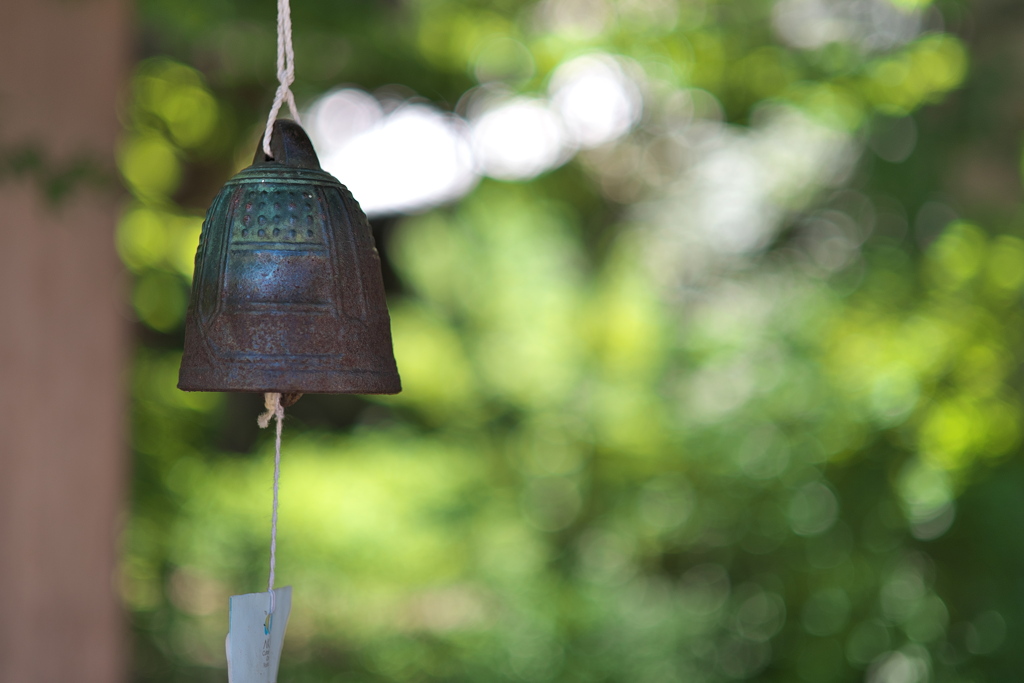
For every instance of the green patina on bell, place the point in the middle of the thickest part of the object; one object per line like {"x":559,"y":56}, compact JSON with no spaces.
{"x":287,"y":294}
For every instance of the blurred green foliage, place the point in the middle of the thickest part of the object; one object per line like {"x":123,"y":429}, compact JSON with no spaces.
{"x":797,"y":466}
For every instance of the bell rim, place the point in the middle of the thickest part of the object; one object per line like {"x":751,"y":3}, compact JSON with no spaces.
{"x":368,"y":383}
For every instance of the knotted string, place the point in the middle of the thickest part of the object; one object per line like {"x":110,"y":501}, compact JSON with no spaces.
{"x":272,"y":401}
{"x":285,"y":72}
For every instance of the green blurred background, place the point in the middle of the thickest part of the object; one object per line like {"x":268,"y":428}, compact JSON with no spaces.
{"x":708,"y":317}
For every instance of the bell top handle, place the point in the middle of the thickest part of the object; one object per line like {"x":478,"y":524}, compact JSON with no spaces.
{"x":290,"y":146}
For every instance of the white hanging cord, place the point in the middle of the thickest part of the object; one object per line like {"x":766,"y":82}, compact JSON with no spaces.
{"x":285,"y":71}
{"x":275,"y":410}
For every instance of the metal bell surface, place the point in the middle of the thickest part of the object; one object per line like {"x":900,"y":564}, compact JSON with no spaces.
{"x":287,"y":294}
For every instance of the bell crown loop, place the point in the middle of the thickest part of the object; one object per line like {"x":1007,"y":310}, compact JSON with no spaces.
{"x":290,"y":147}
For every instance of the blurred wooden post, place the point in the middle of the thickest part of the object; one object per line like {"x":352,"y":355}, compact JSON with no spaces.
{"x":62,"y":345}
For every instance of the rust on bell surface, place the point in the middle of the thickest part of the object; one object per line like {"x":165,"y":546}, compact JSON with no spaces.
{"x":287,"y":294}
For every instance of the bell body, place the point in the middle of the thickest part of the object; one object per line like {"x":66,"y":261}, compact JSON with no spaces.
{"x":287,"y":294}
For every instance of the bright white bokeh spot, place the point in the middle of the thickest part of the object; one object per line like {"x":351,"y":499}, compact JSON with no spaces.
{"x":410,"y":157}
{"x":518,"y":139}
{"x":341,"y":115}
{"x":807,"y":24}
{"x":872,"y":24}
{"x":737,"y":188}
{"x":574,"y":18}
{"x":741,"y":182}
{"x":414,"y":158}
{"x":597,"y":100}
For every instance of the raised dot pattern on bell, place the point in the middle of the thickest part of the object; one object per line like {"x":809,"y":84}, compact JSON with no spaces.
{"x":290,"y":217}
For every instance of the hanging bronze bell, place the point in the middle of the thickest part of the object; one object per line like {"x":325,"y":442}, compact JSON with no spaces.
{"x":287,"y":294}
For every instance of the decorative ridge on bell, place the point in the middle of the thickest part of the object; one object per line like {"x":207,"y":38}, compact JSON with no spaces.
{"x":287,"y":294}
